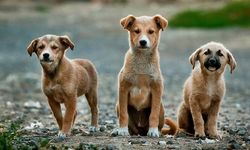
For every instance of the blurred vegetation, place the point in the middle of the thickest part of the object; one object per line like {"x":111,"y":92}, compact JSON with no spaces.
{"x":236,"y":13}
{"x":12,"y":139}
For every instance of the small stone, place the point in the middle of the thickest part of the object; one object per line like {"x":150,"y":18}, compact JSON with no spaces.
{"x":102,"y":128}
{"x":242,"y":131}
{"x":109,"y":121}
{"x":170,"y":142}
{"x":233,"y":130}
{"x":233,"y":145}
{"x":162,"y":143}
{"x":32,"y":104}
{"x":114,"y":133}
{"x":137,"y":141}
{"x":110,"y":147}
{"x":173,"y":147}
{"x":110,"y":126}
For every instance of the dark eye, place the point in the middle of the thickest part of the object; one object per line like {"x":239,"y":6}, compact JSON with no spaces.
{"x":54,"y":47}
{"x":219,"y":53}
{"x":207,"y":52}
{"x":137,"y":31}
{"x":41,"y":47}
{"x":151,"y":31}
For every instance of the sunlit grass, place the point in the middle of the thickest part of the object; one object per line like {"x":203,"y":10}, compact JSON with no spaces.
{"x":233,"y":14}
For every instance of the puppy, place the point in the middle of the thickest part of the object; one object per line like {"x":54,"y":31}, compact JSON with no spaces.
{"x":140,"y":83}
{"x":204,"y":90}
{"x":63,"y":80}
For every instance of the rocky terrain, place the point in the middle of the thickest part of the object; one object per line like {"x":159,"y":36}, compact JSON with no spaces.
{"x":96,"y":32}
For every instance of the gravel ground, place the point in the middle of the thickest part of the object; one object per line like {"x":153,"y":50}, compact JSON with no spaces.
{"x":98,"y":36}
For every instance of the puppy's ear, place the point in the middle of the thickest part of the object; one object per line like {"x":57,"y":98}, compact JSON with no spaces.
{"x":160,"y":21}
{"x":231,"y":61}
{"x":127,"y":22}
{"x":194,"y":57}
{"x":65,"y":40}
{"x":32,"y":46}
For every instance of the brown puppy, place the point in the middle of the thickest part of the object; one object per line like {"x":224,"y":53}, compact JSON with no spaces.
{"x":140,"y":85}
{"x":204,"y":90}
{"x":64,"y":80}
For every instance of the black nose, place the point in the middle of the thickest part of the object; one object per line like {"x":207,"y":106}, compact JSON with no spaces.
{"x":212,"y":61}
{"x":46,"y":55}
{"x":143,"y":42}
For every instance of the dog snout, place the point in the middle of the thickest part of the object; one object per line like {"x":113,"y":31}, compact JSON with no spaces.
{"x":212,"y":61}
{"x":143,"y":43}
{"x":46,"y":56}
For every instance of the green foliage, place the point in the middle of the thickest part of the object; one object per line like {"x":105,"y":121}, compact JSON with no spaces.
{"x":233,"y":14}
{"x":8,"y":135}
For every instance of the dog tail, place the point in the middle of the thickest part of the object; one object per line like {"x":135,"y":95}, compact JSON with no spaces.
{"x":173,"y":127}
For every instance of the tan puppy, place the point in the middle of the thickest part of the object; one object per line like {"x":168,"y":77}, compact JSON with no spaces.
{"x":204,"y":90}
{"x":140,"y":85}
{"x":64,"y":80}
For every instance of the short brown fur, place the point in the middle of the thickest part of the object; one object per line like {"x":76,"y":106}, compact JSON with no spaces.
{"x":140,"y":87}
{"x":204,"y":91}
{"x":63,"y":80}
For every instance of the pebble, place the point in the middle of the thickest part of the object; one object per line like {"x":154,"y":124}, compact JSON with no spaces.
{"x":170,"y":142}
{"x":102,"y":128}
{"x":32,"y":104}
{"x":110,"y":126}
{"x":233,"y":144}
{"x":162,"y":143}
{"x":109,"y":121}
{"x":233,"y":130}
{"x":242,"y":131}
{"x":110,"y":147}
{"x":174,"y":147}
{"x":136,"y":141}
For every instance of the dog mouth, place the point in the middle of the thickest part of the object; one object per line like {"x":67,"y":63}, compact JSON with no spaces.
{"x":212,"y":68}
{"x":46,"y":61}
{"x":143,"y":48}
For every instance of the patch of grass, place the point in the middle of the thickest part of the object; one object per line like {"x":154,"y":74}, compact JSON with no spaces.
{"x":236,"y":13}
{"x":8,"y":135}
{"x":41,"y":8}
{"x":11,"y":138}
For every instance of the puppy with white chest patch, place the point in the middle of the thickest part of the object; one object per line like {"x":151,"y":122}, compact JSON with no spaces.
{"x":140,"y":82}
{"x":64,"y":80}
{"x":204,"y":90}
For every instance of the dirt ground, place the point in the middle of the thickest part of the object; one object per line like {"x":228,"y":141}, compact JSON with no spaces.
{"x":97,"y":35}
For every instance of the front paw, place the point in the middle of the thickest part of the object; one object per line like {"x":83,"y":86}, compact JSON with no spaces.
{"x":153,"y":132}
{"x":200,"y":135}
{"x":123,"y":131}
{"x":214,"y":135}
{"x":61,"y":136}
{"x":92,"y":129}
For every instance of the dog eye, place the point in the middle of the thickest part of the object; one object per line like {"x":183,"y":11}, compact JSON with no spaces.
{"x":151,"y":31}
{"x":54,"y":47}
{"x":219,"y":53}
{"x":207,"y":52}
{"x":137,"y":31}
{"x":41,"y":47}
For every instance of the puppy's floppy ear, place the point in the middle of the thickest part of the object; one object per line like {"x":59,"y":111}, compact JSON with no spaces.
{"x":160,"y":21}
{"x":194,"y":57}
{"x":231,"y":61}
{"x":127,"y":22}
{"x":32,"y":46}
{"x":65,"y":40}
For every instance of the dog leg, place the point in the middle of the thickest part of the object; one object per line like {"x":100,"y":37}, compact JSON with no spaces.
{"x":155,"y":109}
{"x":185,"y":121}
{"x":212,"y":120}
{"x":70,"y":106}
{"x":197,"y":118}
{"x":123,"y":110}
{"x":56,"y":109}
{"x":92,"y":100}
